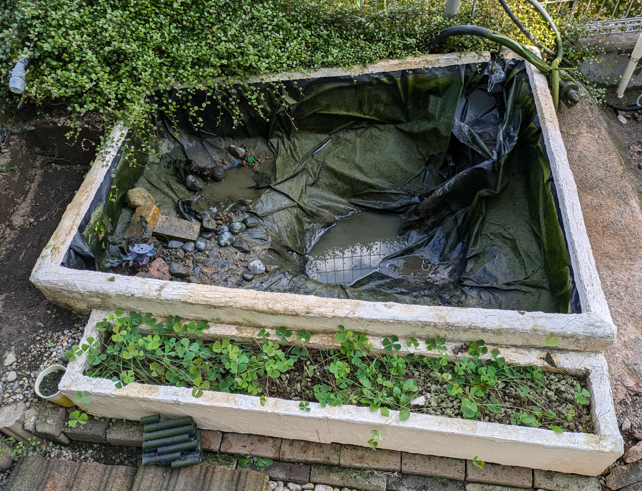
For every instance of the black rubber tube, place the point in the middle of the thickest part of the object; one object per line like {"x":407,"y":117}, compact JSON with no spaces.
{"x":622,"y":108}
{"x":527,"y":33}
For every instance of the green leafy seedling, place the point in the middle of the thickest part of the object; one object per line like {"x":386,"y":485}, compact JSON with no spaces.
{"x":82,"y":397}
{"x":77,"y":418}
{"x":478,"y":463}
{"x":551,"y":340}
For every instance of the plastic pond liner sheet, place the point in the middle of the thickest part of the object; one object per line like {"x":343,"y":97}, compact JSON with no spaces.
{"x":437,"y":177}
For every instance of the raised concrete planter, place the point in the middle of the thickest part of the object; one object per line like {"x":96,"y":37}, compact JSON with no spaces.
{"x":579,"y":453}
{"x":590,"y":330}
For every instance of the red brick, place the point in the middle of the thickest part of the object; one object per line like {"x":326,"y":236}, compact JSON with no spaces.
{"x":367,"y":458}
{"x":159,"y":269}
{"x":211,"y":440}
{"x":311,"y":452}
{"x":125,"y":434}
{"x":505,"y":475}
{"x":257,"y":445}
{"x":428,"y":465}
{"x":284,"y":471}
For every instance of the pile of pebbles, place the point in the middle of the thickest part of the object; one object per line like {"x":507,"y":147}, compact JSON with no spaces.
{"x":219,"y":231}
{"x":19,"y":371}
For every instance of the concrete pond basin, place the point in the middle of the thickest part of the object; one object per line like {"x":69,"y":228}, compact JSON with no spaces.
{"x":240,"y":313}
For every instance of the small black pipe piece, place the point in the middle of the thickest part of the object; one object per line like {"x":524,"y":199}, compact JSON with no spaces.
{"x":178,"y":447}
{"x":161,"y":459}
{"x":148,"y":420}
{"x":187,"y":460}
{"x":170,"y":423}
{"x":178,"y":430}
{"x":161,"y":442}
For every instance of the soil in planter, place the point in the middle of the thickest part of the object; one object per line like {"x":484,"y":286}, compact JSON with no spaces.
{"x":49,"y":383}
{"x":483,"y":390}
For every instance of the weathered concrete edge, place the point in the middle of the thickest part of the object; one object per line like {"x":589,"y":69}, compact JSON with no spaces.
{"x":430,"y":435}
{"x":587,"y":279}
{"x":84,"y":290}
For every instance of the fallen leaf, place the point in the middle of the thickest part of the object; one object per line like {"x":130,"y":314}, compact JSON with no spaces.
{"x":636,"y":148}
{"x":622,"y":119}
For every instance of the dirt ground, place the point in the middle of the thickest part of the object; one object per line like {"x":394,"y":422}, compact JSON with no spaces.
{"x":32,"y":201}
{"x":609,"y":185}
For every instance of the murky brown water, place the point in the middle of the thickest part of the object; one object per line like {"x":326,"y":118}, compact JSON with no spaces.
{"x":354,"y":247}
{"x":237,"y":184}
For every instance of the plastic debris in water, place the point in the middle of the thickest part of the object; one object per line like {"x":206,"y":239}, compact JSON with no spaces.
{"x":250,"y":159}
{"x":138,"y":255}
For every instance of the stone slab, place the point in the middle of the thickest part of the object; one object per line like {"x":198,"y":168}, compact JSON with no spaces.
{"x":310,"y":452}
{"x":211,"y":440}
{"x":556,"y":481}
{"x":148,"y":214}
{"x":407,"y":482}
{"x":36,"y":474}
{"x":125,"y":434}
{"x":633,"y":454}
{"x":519,"y":477}
{"x":248,"y":444}
{"x":6,"y":456}
{"x":50,"y":423}
{"x":286,"y":472}
{"x":220,"y":459}
{"x":172,"y":228}
{"x":197,"y":478}
{"x":366,"y":480}
{"x":633,"y":487}
{"x":625,"y":475}
{"x":11,"y":422}
{"x":429,"y":465}
{"x":93,"y":431}
{"x":368,"y":458}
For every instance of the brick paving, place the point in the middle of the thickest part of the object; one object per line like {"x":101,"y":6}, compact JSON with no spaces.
{"x":300,"y":465}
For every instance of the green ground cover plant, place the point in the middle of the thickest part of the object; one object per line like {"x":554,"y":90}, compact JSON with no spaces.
{"x":107,"y":58}
{"x":478,"y":385}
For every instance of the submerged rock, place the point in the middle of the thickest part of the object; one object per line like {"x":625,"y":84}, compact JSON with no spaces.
{"x":247,"y":276}
{"x":207,"y":235}
{"x":178,"y":270}
{"x":209,"y":223}
{"x":193,"y":183}
{"x":188,"y":246}
{"x":218,"y":173}
{"x":256,"y":267}
{"x":242,"y":245}
{"x":250,"y":222}
{"x":222,"y":229}
{"x":237,"y":227}
{"x":139,"y":197}
{"x":226,"y":239}
{"x":201,"y":244}
{"x":174,"y":244}
{"x":237,"y":151}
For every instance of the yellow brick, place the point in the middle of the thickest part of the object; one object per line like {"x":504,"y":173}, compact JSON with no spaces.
{"x":150,"y":214}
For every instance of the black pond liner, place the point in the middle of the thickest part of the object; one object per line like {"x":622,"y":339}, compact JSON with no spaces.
{"x":458,"y":154}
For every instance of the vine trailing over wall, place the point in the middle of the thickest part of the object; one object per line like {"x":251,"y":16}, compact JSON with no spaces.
{"x":479,"y":385}
{"x":108,"y":57}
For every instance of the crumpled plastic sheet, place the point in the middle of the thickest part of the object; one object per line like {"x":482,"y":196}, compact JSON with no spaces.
{"x":455,"y":150}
